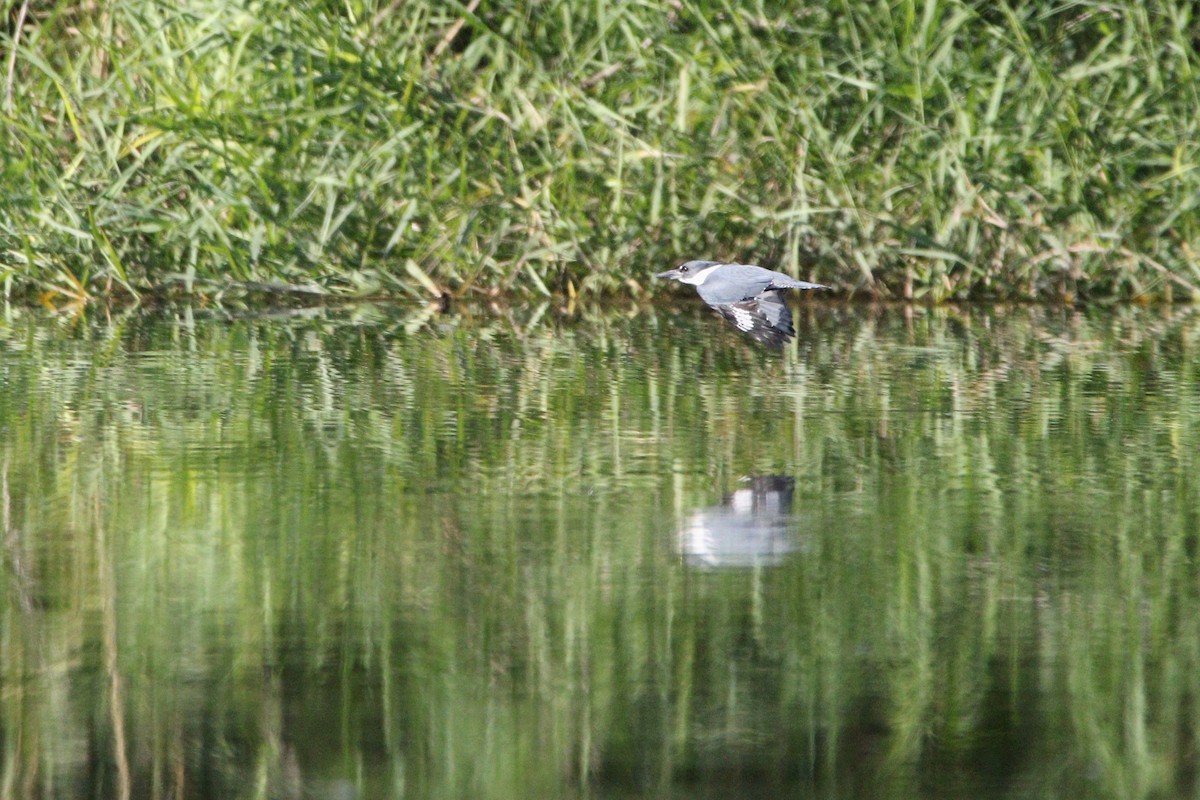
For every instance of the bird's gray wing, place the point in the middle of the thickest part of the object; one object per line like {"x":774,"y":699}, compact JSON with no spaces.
{"x":766,"y":318}
{"x":733,"y":283}
{"x":736,"y":282}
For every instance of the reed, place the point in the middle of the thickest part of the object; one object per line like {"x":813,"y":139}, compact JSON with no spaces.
{"x":929,"y":150}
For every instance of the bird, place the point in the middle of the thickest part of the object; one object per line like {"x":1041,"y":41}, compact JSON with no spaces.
{"x":751,"y":298}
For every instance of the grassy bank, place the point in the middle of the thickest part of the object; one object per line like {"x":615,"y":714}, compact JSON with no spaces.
{"x":940,"y":150}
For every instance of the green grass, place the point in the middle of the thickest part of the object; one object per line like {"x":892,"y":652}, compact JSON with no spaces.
{"x":937,"y":150}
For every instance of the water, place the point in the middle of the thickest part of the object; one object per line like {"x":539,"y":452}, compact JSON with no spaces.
{"x":360,"y":553}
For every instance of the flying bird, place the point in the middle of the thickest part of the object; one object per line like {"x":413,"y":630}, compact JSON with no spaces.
{"x":751,"y":298}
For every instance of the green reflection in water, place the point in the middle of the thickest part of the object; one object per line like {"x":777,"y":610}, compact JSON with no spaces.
{"x":325,"y":557}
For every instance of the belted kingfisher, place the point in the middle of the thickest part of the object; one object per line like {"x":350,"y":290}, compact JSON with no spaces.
{"x":750,"y":297}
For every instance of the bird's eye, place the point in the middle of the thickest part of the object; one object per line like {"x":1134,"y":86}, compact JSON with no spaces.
{"x":683,"y":268}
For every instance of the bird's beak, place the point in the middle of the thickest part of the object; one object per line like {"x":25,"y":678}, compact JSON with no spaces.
{"x":668,"y":275}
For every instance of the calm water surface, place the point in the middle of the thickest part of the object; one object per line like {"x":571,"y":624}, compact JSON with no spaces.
{"x":361,"y":553}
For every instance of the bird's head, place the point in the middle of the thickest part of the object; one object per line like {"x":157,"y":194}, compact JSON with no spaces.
{"x":687,"y":273}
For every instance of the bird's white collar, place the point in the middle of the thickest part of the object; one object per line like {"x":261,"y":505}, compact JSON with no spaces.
{"x":700,"y":277}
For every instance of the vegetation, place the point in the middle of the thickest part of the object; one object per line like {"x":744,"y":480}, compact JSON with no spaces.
{"x":241,"y":556}
{"x":937,"y":149}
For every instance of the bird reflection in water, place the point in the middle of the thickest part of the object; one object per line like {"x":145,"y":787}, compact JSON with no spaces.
{"x":751,"y":527}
